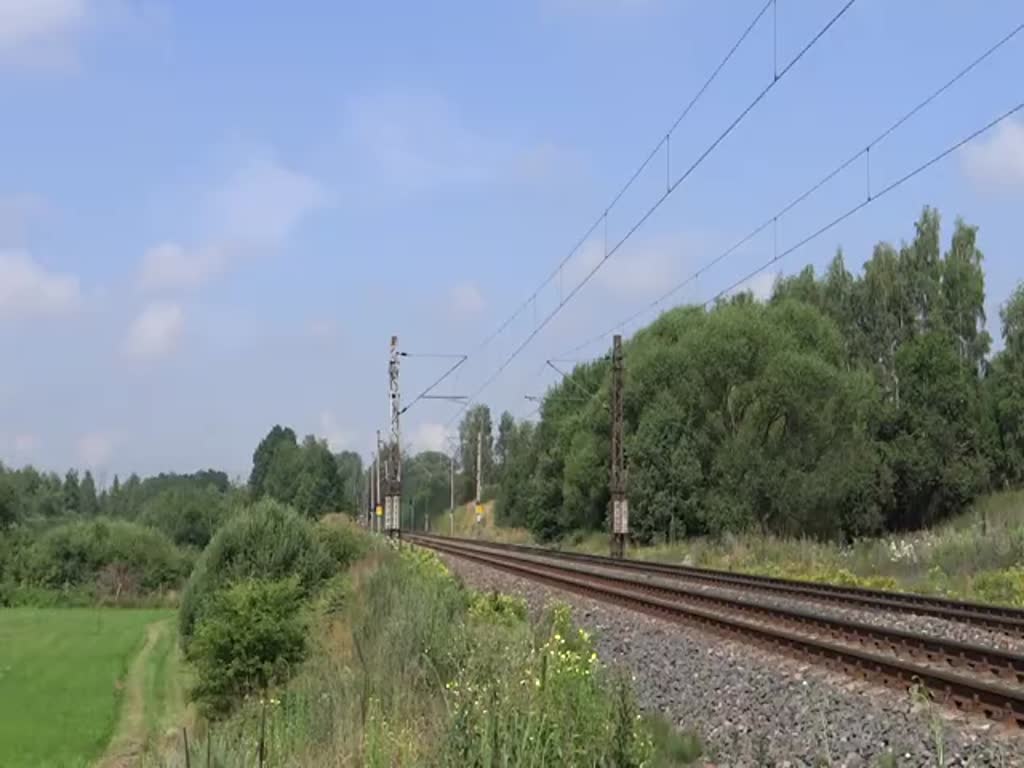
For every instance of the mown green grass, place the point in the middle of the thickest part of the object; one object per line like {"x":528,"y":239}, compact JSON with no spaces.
{"x":60,"y":675}
{"x":162,"y":691}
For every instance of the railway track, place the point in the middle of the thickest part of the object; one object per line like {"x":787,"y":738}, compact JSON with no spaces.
{"x":996,"y":617}
{"x":968,"y":677}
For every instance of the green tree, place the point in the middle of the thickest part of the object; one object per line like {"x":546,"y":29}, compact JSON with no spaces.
{"x":72,"y":493}
{"x":1005,"y":391}
{"x":88,"y":505}
{"x":514,"y":492}
{"x":9,"y":512}
{"x":506,"y":426}
{"x":476,"y":421}
{"x":263,"y":457}
{"x":252,"y":635}
{"x":284,"y":472}
{"x":353,"y":482}
{"x":425,"y":484}
{"x":113,"y":501}
{"x":188,"y":514}
{"x":319,"y":489}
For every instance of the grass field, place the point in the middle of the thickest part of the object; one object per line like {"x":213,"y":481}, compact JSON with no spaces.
{"x":62,"y":676}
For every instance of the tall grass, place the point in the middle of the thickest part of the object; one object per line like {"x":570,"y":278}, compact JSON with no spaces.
{"x":978,"y":555}
{"x":412,"y":669}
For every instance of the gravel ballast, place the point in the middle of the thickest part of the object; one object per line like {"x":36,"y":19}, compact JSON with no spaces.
{"x":752,"y":707}
{"x":930,"y":625}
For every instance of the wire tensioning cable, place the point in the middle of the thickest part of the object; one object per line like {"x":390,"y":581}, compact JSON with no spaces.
{"x":657,"y":204}
{"x":773,"y":220}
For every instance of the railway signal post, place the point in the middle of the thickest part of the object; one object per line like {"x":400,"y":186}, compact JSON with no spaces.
{"x":378,"y":503}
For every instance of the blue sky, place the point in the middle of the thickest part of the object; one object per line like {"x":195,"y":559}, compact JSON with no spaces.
{"x":214,"y":215}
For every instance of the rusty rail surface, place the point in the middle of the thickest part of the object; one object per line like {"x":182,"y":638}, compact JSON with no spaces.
{"x":877,"y":658}
{"x":998,"y":617}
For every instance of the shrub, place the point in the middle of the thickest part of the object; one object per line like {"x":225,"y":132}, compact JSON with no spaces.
{"x":342,"y":542}
{"x":267,"y":541}
{"x":1001,"y":586}
{"x":251,"y":636}
{"x":497,"y":607}
{"x":188,"y":515}
{"x":76,"y":554}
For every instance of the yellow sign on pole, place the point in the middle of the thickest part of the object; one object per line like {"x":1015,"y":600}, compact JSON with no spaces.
{"x":380,"y":511}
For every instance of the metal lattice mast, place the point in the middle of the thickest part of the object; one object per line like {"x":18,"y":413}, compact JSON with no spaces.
{"x":619,"y":503}
{"x":394,"y":498}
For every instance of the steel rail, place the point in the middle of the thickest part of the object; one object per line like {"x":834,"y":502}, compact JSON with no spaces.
{"x":1003,"y":618}
{"x":995,"y":700}
{"x":972,"y":657}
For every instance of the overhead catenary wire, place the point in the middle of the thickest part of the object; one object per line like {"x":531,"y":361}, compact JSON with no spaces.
{"x":602,"y":219}
{"x":772,"y":220}
{"x":867,"y":201}
{"x":656,"y":205}
{"x":425,"y":394}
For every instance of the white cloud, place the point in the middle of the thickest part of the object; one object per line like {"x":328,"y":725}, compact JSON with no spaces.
{"x":27,"y":289}
{"x":760,"y":285}
{"x":338,"y":439}
{"x":262,"y":202}
{"x":466,"y":298}
{"x":256,"y":208}
{"x":155,"y":331}
{"x":998,"y":161}
{"x":416,"y":140}
{"x":429,"y":436}
{"x":40,"y":31}
{"x":170,"y":265}
{"x":640,"y":271}
{"x":94,"y":450}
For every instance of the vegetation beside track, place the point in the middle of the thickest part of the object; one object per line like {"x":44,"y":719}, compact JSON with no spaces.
{"x":408,"y":667}
{"x":977,"y":555}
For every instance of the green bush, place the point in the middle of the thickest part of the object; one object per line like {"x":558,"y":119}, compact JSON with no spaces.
{"x":251,"y":636}
{"x":497,"y":607}
{"x":113,"y":555}
{"x":267,"y":541}
{"x":188,"y":515}
{"x":342,"y":543}
{"x":1005,"y":587}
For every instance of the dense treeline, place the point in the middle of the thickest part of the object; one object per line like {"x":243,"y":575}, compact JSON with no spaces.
{"x":306,"y":476}
{"x":63,"y":540}
{"x":845,"y":405}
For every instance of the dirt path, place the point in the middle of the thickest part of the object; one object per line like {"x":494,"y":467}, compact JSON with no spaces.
{"x":129,"y":740}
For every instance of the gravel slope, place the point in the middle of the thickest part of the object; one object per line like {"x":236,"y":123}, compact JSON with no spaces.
{"x":755,"y":709}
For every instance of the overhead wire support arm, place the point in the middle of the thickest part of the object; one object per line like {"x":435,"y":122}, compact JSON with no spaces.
{"x":425,"y":394}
